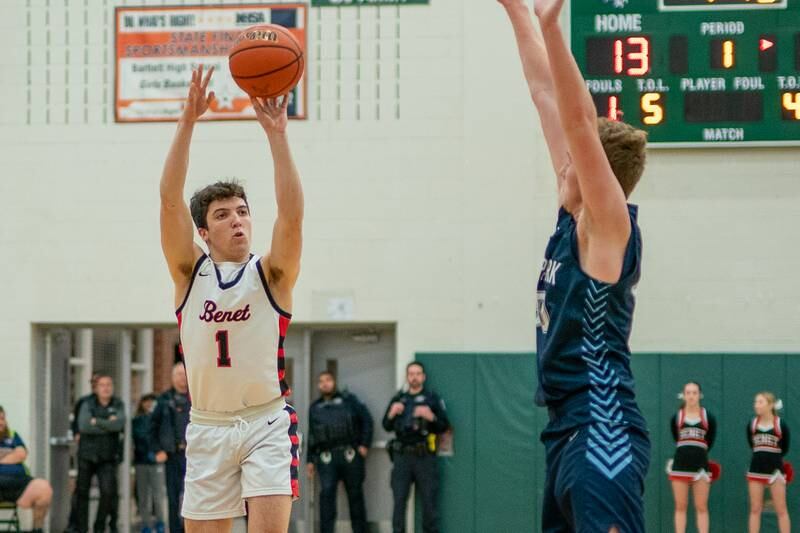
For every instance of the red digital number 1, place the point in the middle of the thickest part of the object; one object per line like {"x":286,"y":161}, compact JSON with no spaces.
{"x":223,"y":356}
{"x":613,"y":108}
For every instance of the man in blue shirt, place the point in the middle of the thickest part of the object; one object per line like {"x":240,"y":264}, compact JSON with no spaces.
{"x":16,"y":485}
{"x":168,"y":440}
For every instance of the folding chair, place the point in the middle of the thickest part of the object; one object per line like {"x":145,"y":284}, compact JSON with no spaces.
{"x":12,"y":522}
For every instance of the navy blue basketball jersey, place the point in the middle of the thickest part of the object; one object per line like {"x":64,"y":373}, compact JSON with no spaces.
{"x":583,"y":327}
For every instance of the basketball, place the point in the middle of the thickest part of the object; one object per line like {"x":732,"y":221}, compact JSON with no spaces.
{"x":266,"y":61}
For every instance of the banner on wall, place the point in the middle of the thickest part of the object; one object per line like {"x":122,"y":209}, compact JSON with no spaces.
{"x":157,"y":48}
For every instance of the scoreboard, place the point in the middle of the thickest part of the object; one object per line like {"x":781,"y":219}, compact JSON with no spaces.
{"x":694,"y":73}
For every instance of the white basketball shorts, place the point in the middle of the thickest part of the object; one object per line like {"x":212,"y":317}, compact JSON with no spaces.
{"x":230,"y":459}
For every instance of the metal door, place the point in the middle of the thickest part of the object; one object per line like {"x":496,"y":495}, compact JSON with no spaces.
{"x":363,"y":361}
{"x":57,"y":402}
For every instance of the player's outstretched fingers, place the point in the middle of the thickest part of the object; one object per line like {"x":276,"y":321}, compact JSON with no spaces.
{"x":207,"y":79}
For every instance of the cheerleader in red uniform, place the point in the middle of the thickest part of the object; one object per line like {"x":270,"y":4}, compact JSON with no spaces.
{"x":693,"y":429}
{"x":768,"y":436}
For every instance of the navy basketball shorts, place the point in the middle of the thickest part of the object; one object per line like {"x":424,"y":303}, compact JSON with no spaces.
{"x":595,"y":481}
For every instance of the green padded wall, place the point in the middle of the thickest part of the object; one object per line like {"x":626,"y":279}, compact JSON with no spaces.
{"x":494,"y":481}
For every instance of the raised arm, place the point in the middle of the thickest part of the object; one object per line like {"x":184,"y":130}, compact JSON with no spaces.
{"x":536,"y":68}
{"x":601,"y":194}
{"x":177,"y":231}
{"x":282,"y":263}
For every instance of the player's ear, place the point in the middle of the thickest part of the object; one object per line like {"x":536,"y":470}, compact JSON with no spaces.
{"x":203,"y":234}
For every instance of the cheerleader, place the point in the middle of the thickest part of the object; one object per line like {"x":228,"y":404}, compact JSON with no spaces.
{"x":768,"y":436}
{"x":693,"y":429}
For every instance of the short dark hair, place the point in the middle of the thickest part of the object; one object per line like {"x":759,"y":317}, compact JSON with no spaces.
{"x":149,"y":397}
{"x":415,"y":363}
{"x":216,"y":191}
{"x":326,"y":373}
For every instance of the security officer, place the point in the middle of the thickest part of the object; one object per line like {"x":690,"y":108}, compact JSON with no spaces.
{"x":339,"y":439}
{"x":416,"y":415}
{"x":101,"y":421}
{"x":168,"y":438}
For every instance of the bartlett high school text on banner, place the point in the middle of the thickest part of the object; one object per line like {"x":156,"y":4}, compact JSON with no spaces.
{"x":158,"y":47}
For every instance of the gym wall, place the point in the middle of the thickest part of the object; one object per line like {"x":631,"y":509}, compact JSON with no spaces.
{"x":429,"y":195}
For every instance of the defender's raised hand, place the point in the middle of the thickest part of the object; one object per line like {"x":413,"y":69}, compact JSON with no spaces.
{"x":512,"y":3}
{"x":198,"y":101}
{"x":547,"y":10}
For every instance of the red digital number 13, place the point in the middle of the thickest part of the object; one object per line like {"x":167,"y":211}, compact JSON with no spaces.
{"x":641,"y":54}
{"x":223,"y":355}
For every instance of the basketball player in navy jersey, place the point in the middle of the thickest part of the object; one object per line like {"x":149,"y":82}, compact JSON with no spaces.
{"x":233,"y":311}
{"x":596,"y":442}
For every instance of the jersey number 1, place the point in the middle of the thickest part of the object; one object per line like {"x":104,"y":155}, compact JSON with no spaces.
{"x":223,"y":356}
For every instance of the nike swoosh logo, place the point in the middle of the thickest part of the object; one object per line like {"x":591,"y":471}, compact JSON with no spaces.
{"x":204,"y":274}
{"x":270,"y":422}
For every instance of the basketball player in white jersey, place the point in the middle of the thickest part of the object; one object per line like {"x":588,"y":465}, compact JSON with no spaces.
{"x":233,"y":310}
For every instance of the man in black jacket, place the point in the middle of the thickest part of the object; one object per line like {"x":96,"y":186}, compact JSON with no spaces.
{"x":72,"y":526}
{"x":101,"y":421}
{"x":168,"y":437}
{"x":416,"y":415}
{"x":338,"y":443}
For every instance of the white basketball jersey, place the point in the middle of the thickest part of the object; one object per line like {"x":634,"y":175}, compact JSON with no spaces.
{"x":232,"y":334}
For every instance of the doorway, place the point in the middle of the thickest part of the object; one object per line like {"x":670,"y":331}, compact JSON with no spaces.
{"x":140,"y":360}
{"x":67,"y":357}
{"x":363,"y":360}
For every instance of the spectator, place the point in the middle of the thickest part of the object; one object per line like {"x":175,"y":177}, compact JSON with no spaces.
{"x":16,"y":484}
{"x":76,"y":432}
{"x":149,"y":474}
{"x":168,"y":437}
{"x":72,"y":526}
{"x":416,"y":415}
{"x":101,"y":421}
